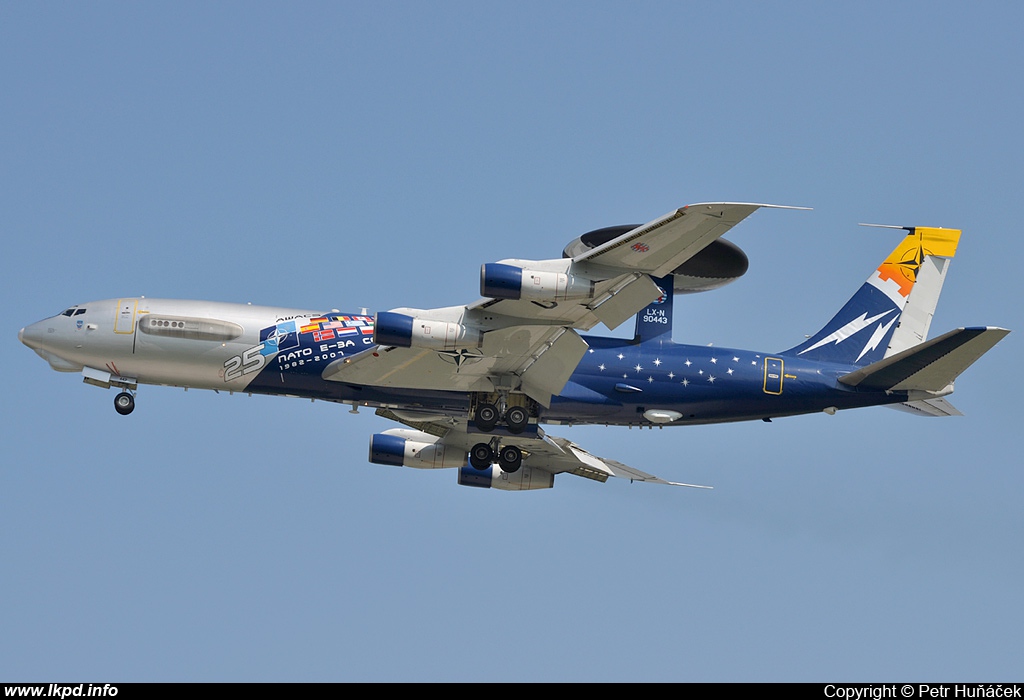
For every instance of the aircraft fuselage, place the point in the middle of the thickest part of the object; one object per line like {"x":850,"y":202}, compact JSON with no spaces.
{"x":278,"y":351}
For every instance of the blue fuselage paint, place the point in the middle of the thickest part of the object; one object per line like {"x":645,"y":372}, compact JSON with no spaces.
{"x":618,"y":380}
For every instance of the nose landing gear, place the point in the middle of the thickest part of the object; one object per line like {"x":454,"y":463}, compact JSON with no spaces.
{"x":124,"y":403}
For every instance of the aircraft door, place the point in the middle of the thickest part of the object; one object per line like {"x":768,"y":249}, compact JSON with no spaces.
{"x":773,"y":375}
{"x":124,"y":322}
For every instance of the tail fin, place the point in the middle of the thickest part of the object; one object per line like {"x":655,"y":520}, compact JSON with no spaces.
{"x":897,"y":302}
{"x":655,"y":320}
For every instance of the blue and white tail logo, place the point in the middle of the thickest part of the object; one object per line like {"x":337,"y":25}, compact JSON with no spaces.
{"x":860,"y":333}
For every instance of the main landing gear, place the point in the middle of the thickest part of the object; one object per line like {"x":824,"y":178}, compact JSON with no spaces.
{"x":124,"y":403}
{"x":483,"y":455}
{"x":488,"y":411}
{"x":487,"y":416}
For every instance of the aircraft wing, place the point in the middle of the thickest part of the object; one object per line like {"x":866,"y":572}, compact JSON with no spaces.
{"x":659,"y":247}
{"x":537,"y":360}
{"x":628,"y":262}
{"x":522,"y":343}
{"x":540,"y":451}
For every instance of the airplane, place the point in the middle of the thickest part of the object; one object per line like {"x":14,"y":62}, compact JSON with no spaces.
{"x":472,"y":384}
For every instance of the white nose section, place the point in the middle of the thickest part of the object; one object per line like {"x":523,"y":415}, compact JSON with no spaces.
{"x":32,"y":335}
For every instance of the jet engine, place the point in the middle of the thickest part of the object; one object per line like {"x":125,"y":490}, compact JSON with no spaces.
{"x":525,"y":479}
{"x":400,"y":447}
{"x":720,"y":263}
{"x":502,"y":281}
{"x":404,"y":331}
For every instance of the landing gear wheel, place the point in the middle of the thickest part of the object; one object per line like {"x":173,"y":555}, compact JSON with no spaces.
{"x":510,"y":458}
{"x":124,"y":403}
{"x":481,"y":456}
{"x":486,"y":417}
{"x":516,"y":419}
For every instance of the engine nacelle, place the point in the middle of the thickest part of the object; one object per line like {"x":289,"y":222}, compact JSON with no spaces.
{"x":404,"y":331}
{"x":501,"y":281}
{"x":411,"y":448}
{"x":525,"y":479}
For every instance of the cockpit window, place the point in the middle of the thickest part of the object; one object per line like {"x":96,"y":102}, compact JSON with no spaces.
{"x":69,"y":312}
{"x":79,"y":312}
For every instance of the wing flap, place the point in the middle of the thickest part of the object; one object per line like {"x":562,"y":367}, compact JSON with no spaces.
{"x":623,"y":302}
{"x":591,"y":465}
{"x":549,"y":370}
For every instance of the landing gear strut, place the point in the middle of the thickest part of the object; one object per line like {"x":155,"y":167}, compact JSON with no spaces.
{"x":124,"y":403}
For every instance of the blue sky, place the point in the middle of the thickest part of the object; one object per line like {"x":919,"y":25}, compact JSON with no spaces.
{"x":322,"y":155}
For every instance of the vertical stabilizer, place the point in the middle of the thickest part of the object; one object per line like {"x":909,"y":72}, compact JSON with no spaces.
{"x":867,"y":326}
{"x":913,"y":325}
{"x":654,"y":322}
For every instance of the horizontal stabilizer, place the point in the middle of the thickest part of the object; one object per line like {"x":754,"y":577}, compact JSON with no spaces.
{"x":931,"y":366}
{"x":933,"y":408}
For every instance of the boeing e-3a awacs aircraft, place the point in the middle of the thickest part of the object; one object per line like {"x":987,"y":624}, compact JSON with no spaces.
{"x":473,"y":383}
